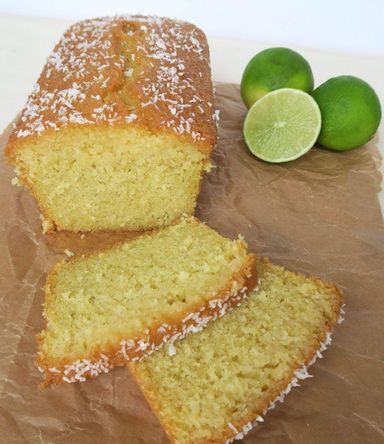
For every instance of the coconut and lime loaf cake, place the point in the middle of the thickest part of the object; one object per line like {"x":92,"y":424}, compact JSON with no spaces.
{"x":223,"y":379}
{"x":116,"y":305}
{"x":119,"y":127}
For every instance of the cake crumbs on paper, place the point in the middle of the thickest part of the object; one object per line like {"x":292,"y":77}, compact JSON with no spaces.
{"x":46,"y":224}
{"x":16,"y":182}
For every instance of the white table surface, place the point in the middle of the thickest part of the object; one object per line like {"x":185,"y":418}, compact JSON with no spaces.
{"x":25,"y":43}
{"x":352,"y":26}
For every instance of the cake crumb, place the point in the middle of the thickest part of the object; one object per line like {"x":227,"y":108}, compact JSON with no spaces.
{"x":46,"y":225}
{"x":69,"y":253}
{"x":16,"y":182}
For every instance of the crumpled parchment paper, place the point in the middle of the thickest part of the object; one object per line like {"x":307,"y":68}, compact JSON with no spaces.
{"x":319,"y":215}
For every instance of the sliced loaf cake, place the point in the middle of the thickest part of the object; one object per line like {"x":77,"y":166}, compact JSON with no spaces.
{"x":223,"y":379}
{"x":112,"y":306}
{"x":119,"y":129}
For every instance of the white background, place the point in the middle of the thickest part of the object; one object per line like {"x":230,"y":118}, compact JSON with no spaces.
{"x":350,"y":26}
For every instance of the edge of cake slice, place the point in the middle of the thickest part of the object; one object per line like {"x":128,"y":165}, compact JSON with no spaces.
{"x":109,"y":307}
{"x":221,"y":381}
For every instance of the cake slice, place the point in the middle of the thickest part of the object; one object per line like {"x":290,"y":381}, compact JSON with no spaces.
{"x":120,"y":126}
{"x":221,"y":380}
{"x":113,"y":306}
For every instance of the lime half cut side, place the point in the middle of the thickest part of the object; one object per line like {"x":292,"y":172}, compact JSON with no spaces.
{"x":282,"y":126}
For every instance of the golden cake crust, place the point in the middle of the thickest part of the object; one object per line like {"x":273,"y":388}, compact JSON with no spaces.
{"x":169,"y":330}
{"x":149,"y":72}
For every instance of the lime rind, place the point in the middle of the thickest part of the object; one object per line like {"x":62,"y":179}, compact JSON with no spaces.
{"x":282,"y":126}
{"x":272,"y":69}
{"x":351,"y":112}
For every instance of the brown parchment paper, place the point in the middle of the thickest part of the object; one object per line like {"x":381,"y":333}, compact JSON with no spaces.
{"x":319,"y":214}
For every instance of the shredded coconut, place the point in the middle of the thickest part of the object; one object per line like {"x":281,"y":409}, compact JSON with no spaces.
{"x":69,"y":253}
{"x":85,"y":61}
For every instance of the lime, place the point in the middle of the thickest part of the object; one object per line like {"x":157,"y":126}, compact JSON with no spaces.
{"x":282,"y":126}
{"x":272,"y":69}
{"x":350,"y":111}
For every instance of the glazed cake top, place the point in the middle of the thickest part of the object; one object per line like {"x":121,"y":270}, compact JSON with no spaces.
{"x":147,"y":71}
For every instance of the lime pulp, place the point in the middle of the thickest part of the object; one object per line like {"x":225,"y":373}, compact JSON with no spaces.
{"x":282,"y":126}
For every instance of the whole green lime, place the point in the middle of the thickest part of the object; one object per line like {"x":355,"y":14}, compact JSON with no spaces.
{"x":272,"y":69}
{"x":350,"y":112}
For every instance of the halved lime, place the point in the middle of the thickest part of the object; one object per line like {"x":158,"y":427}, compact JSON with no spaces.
{"x":282,"y":126}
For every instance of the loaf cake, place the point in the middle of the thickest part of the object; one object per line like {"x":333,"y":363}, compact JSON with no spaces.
{"x":218,"y":383}
{"x":116,"y":305}
{"x":119,"y":127}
